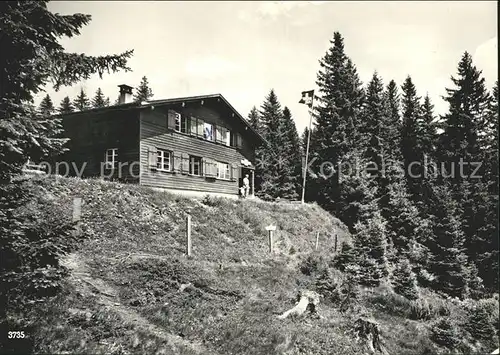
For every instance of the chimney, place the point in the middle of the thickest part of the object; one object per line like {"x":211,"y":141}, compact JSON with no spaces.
{"x":125,"y":94}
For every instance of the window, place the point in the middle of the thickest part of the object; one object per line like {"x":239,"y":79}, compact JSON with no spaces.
{"x":197,"y":127}
{"x":195,"y":165}
{"x":223,"y":171}
{"x":177,"y":121}
{"x":223,"y":135}
{"x":110,"y":158}
{"x":163,"y":160}
{"x":208,"y":131}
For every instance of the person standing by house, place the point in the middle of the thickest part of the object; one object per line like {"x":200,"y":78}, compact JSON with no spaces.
{"x":246,"y":185}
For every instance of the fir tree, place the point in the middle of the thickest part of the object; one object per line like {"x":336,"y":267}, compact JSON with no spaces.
{"x":339,"y":102}
{"x":468,"y":102}
{"x":66,"y":106}
{"x":98,"y":101}
{"x":294,"y":152}
{"x":464,"y":128}
{"x":82,"y":102}
{"x":428,"y":129}
{"x":404,"y":280}
{"x":410,"y":134}
{"x":373,"y":125}
{"x":274,"y":168}
{"x":357,"y":192}
{"x":33,"y":38}
{"x":46,"y":106}
{"x":406,"y":227}
{"x":107,"y":102}
{"x":392,"y":129}
{"x":445,"y":333}
{"x":254,"y":119}
{"x":345,"y":257}
{"x":448,"y":261}
{"x":144,"y":92}
{"x":478,"y":323}
{"x":370,"y":245}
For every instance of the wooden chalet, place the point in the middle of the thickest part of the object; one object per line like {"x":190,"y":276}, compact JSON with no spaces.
{"x":195,"y":145}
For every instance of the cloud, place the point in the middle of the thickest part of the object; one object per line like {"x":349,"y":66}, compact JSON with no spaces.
{"x":211,"y":67}
{"x":275,"y":9}
{"x":485,"y":58}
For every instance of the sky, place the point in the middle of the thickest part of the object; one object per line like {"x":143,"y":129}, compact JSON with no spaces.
{"x":242,"y":50}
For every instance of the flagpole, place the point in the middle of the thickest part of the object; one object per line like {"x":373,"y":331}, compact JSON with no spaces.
{"x":307,"y":150}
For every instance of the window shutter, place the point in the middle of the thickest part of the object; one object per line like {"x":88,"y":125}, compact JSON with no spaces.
{"x":206,"y":167}
{"x":193,"y":125}
{"x":177,"y":162}
{"x":200,"y":127}
{"x":152,"y":157}
{"x":213,"y":166}
{"x":234,"y":172}
{"x":185,"y":163}
{"x":228,"y":138}
{"x":238,"y":140}
{"x":171,"y":119}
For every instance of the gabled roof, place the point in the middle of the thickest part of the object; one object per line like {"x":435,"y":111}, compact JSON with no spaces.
{"x":178,"y":100}
{"x":204,"y":97}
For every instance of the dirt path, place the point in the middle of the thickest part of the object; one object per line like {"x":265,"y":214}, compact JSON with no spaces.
{"x":107,"y":297}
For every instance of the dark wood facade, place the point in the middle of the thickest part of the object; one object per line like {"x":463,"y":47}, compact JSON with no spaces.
{"x":141,"y":133}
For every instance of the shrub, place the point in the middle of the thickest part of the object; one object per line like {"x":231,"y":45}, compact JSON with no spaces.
{"x":329,"y":283}
{"x":479,"y":323}
{"x":31,"y":245}
{"x":313,"y":264}
{"x":445,"y":333}
{"x":421,"y":310}
{"x":345,"y":257}
{"x":404,"y":281}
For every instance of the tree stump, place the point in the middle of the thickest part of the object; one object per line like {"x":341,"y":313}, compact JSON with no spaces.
{"x":369,"y":330}
{"x":307,"y":300}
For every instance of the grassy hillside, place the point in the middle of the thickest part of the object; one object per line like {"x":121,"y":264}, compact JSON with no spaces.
{"x":132,"y":289}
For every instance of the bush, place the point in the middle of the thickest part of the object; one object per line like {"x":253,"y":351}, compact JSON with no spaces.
{"x":479,"y":322}
{"x":404,"y":281}
{"x":345,"y":257}
{"x":421,"y":310}
{"x":445,"y":333}
{"x":313,"y":264}
{"x":31,"y":245}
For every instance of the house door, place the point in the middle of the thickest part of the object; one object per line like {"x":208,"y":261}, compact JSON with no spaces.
{"x":243,"y":172}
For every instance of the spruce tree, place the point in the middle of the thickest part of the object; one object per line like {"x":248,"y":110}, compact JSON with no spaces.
{"x":30,"y":34}
{"x":356,"y":191}
{"x":294,"y":152}
{"x":66,"y":106}
{"x":392,"y":129}
{"x":448,"y":260}
{"x":478,"y":323}
{"x":404,"y":280}
{"x":274,"y":169}
{"x":339,"y":102}
{"x":107,"y":102}
{"x":468,"y":104}
{"x":143,"y":92}
{"x":428,"y":129}
{"x":410,"y":134}
{"x":46,"y":106}
{"x":403,"y":220}
{"x":374,"y":120}
{"x":465,"y":127}
{"x":98,"y":101}
{"x":371,"y":248}
{"x":345,"y":258}
{"x":254,"y":120}
{"x":82,"y":102}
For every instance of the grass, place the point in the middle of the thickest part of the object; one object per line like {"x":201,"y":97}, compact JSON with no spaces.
{"x":226,"y":297}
